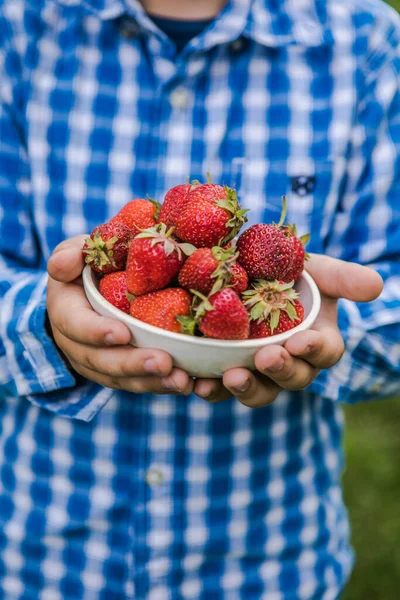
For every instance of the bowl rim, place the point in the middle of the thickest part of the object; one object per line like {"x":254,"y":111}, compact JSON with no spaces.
{"x":88,"y":274}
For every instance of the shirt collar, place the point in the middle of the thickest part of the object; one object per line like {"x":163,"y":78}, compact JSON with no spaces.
{"x":282,"y":22}
{"x":272,"y":23}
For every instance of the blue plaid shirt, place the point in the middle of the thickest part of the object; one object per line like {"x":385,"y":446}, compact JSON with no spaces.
{"x":108,"y":495}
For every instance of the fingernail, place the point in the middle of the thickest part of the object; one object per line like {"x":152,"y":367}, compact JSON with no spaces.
{"x":242,"y":388}
{"x":204,"y":394}
{"x":169,"y":384}
{"x":278,"y":366}
{"x":306,"y":349}
{"x":109,"y":339}
{"x":150,"y":366}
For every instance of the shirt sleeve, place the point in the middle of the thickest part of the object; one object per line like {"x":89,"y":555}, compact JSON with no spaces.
{"x":30,"y":365}
{"x":366,"y":230}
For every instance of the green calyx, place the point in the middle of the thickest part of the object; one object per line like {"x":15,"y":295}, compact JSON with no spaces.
{"x":268,"y":298}
{"x":157,"y":205}
{"x":304,"y":240}
{"x":188,"y":324}
{"x":98,"y":251}
{"x":238,"y":219}
{"x":160,"y":235}
{"x":200,"y":306}
{"x":226,"y":257}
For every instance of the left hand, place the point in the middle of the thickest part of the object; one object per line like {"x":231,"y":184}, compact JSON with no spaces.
{"x":295,"y":365}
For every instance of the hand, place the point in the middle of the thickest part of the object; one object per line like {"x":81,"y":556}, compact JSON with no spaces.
{"x":295,"y":365}
{"x":96,"y":347}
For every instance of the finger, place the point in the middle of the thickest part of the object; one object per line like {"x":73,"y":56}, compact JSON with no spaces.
{"x":251,"y":389}
{"x":211,"y":390}
{"x":340,"y":279}
{"x":121,"y":361}
{"x":286,"y":371}
{"x":140,"y":385}
{"x":71,"y":314}
{"x":322,"y":348}
{"x":67,"y":261}
{"x":178,"y":382}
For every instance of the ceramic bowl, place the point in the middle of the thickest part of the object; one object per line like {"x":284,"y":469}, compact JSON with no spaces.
{"x":202,"y":357}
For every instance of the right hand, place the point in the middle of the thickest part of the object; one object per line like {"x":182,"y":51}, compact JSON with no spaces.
{"x":97,"y":347}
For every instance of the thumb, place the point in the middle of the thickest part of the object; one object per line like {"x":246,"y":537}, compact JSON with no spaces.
{"x":340,"y":279}
{"x":67,"y":261}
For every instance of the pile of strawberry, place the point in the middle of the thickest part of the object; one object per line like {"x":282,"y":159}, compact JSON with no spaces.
{"x":175,"y":265}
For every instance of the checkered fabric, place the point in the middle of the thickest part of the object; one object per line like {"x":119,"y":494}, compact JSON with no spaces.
{"x":114,"y":496}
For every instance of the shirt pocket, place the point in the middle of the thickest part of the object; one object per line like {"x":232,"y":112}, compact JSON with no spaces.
{"x":312,"y":190}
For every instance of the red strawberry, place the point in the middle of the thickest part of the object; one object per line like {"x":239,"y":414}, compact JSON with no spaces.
{"x":155,"y":258}
{"x":299,"y":256}
{"x":138,"y":214}
{"x":239,"y":279}
{"x":208,"y":270}
{"x":162,"y":308}
{"x":265,"y":252}
{"x":174,"y":201}
{"x":263,"y":329}
{"x":113,"y":288}
{"x":272,"y":251}
{"x":221,"y":316}
{"x":211,"y":215}
{"x":273,"y":306}
{"x":106,"y":250}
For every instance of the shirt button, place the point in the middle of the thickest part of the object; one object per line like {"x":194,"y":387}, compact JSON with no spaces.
{"x":154,"y":477}
{"x":376,"y":388}
{"x":180,"y":98}
{"x":237,"y":45}
{"x":129,"y":29}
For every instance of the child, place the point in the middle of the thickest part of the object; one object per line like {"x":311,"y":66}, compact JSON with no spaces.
{"x":114,"y":484}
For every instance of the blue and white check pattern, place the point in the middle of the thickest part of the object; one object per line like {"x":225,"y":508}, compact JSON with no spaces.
{"x":107,"y":495}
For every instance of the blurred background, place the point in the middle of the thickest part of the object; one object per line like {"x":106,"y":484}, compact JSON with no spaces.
{"x":372,"y":491}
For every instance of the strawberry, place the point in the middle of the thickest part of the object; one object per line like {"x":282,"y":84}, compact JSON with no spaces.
{"x":162,"y":308}
{"x":222,"y":316}
{"x":113,"y":287}
{"x":138,"y":214}
{"x":155,"y":258}
{"x":106,"y":250}
{"x":239,"y":280}
{"x":210,"y":216}
{"x":173,"y":202}
{"x":208,"y":270}
{"x":274,"y":307}
{"x":272,"y":251}
{"x":299,"y":256}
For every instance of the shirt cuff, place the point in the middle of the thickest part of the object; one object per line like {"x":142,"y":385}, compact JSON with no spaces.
{"x":35,"y":367}
{"x":365,"y":371}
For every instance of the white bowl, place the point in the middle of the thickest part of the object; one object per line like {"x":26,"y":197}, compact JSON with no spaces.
{"x":202,"y":357}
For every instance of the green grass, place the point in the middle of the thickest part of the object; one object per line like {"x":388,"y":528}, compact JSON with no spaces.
{"x":395,"y":4}
{"x":372,"y":492}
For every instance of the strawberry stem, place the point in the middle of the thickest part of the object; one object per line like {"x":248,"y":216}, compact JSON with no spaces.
{"x":284,"y":211}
